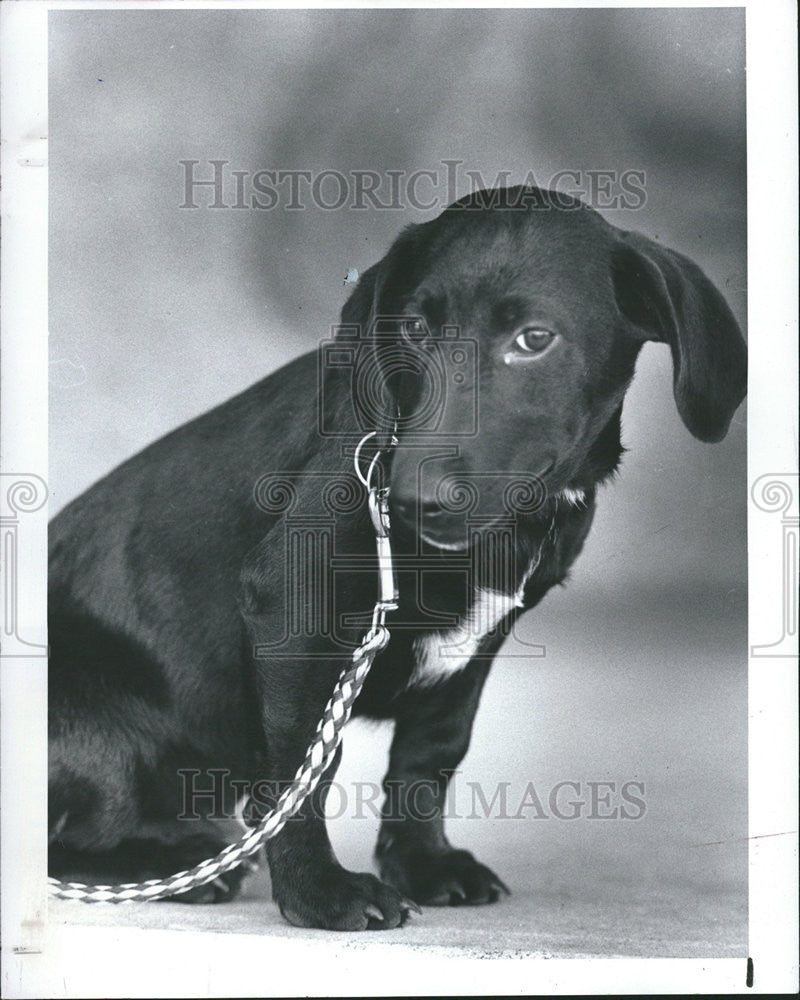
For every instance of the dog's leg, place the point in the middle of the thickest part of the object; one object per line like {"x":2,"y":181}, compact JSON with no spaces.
{"x":309,"y":885}
{"x":294,"y":674}
{"x":432,"y":735}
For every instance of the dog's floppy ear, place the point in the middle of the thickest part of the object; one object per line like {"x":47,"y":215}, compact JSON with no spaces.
{"x":380,"y":289}
{"x":669,"y":299}
{"x":359,"y":310}
{"x":379,"y":295}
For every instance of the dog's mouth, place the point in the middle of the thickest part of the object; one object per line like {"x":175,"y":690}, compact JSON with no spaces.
{"x":450,"y":532}
{"x":438,"y":528}
{"x":454,"y":530}
{"x":444,"y":545}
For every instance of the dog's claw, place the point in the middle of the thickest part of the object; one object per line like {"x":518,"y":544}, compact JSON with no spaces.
{"x":357,"y":901}
{"x":454,"y":878}
{"x":452,"y":893}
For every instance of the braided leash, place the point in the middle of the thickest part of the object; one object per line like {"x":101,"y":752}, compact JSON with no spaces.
{"x":318,"y":757}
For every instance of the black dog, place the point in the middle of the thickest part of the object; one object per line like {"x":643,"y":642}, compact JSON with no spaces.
{"x":205,"y":595}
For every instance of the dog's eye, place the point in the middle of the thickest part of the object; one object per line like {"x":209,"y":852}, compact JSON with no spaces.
{"x":414,"y":330}
{"x":533,"y":340}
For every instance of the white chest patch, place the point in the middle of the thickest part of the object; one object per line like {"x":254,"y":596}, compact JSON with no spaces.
{"x":440,"y":654}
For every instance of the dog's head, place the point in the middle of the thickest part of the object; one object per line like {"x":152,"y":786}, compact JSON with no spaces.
{"x":503,"y":336}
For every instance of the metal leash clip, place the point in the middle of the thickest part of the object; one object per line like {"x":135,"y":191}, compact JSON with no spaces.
{"x":388,"y":594}
{"x":378,"y":503}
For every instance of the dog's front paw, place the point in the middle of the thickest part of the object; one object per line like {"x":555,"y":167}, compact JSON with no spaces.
{"x":339,"y":900}
{"x":449,"y":878}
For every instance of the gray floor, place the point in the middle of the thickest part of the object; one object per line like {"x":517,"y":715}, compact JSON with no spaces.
{"x":667,"y":923}
{"x":650,"y":687}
